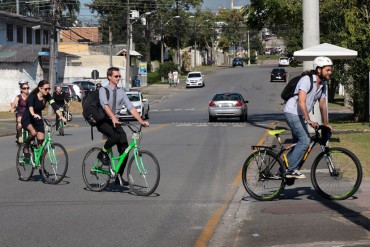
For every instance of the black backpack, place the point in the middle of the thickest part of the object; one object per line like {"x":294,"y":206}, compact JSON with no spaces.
{"x":92,"y":111}
{"x":289,"y":89}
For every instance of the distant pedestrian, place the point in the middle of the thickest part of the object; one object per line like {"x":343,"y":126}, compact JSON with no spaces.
{"x":170,"y":78}
{"x":175,"y":78}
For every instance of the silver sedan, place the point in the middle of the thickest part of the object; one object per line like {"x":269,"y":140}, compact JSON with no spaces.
{"x":229,"y":105}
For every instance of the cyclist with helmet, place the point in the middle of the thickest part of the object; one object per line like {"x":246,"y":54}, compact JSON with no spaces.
{"x":297,"y":110}
{"x":19,"y":106}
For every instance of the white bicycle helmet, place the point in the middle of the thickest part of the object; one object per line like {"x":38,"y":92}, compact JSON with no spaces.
{"x":20,"y":82}
{"x":322,"y":62}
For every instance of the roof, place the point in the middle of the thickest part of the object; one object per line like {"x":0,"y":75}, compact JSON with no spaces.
{"x":15,"y":19}
{"x":132,"y":53}
{"x":325,"y":49}
{"x":20,"y":53}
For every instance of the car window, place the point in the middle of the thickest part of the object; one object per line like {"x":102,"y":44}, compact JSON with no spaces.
{"x":220,"y":97}
{"x":192,"y":75}
{"x":133,"y":97}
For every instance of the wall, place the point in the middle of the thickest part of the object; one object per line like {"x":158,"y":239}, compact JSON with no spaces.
{"x":11,"y":73}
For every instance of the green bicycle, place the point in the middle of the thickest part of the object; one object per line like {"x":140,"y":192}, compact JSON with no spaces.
{"x":143,"y":172}
{"x":51,"y":158}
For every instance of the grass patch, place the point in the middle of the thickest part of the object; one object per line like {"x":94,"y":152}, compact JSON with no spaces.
{"x":357,"y":143}
{"x":74,"y":106}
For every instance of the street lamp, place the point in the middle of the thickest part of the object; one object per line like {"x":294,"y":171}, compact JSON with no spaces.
{"x":129,"y":42}
{"x":162,"y":41}
{"x":195,"y":38}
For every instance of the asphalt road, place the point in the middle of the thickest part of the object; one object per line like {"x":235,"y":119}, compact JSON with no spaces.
{"x":200,"y":174}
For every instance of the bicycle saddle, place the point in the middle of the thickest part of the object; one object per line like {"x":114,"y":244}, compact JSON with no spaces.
{"x":275,"y":132}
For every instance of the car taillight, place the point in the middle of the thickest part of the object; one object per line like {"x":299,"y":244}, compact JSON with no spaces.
{"x":239,"y":103}
{"x":212,"y":104}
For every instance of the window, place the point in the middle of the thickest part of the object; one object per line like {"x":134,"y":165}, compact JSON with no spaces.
{"x":19,"y":34}
{"x":45,"y":37}
{"x":37,"y":37}
{"x":9,"y":33}
{"x":29,"y":35}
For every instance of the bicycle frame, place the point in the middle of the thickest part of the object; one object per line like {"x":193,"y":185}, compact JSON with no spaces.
{"x":116,"y":162}
{"x":39,"y":151}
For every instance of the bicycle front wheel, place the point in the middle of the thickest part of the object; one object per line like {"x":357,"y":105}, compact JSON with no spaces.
{"x":54,"y":163}
{"x":143,"y":173}
{"x":345,"y":178}
{"x":24,"y":166}
{"x":61,"y":128}
{"x":95,"y":175}
{"x":262,"y":175}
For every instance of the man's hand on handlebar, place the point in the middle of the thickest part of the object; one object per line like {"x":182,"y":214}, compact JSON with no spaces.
{"x":145,"y":123}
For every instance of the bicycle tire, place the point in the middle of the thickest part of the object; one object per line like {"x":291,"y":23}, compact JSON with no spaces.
{"x":94,"y":180}
{"x":61,"y":128}
{"x":54,"y":163}
{"x":262,"y":175}
{"x":143,"y":183}
{"x":24,"y":168}
{"x":347,"y":178}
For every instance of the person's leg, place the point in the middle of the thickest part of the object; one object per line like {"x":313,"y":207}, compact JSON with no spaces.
{"x":31,"y":135}
{"x":107,"y":129}
{"x":19,"y":130}
{"x":121,"y":147}
{"x":300,"y":133}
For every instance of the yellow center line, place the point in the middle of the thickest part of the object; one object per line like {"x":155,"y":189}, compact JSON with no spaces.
{"x":209,"y":229}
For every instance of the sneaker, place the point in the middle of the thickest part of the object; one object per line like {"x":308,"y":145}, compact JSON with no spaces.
{"x":120,"y":181}
{"x":104,"y":158}
{"x":294,"y":174}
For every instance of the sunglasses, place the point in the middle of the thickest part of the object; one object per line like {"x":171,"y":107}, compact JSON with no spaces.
{"x":25,"y":88}
{"x":47,"y":89}
{"x":117,"y":76}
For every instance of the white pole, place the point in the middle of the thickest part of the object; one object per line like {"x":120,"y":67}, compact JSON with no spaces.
{"x":311,"y":37}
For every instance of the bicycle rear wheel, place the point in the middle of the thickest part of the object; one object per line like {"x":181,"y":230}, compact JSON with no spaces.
{"x":345,"y":179}
{"x":95,"y":175}
{"x":262,"y":175}
{"x":24,"y":166}
{"x":143,"y":173}
{"x":54,"y":163}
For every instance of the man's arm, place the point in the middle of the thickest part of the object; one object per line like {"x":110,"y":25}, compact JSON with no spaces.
{"x":302,"y":97}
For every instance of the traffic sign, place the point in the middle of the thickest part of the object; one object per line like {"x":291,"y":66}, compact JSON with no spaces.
{"x":95,"y":74}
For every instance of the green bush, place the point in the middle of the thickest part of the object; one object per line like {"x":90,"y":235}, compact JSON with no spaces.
{"x":153,"y":77}
{"x":165,"y":68}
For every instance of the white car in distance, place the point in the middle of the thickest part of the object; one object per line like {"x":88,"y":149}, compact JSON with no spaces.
{"x":139,"y":102}
{"x":195,"y":79}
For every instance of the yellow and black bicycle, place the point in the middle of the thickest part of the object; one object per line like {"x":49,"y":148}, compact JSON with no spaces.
{"x":336,"y":173}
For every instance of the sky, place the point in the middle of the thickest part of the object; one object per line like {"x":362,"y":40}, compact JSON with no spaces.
{"x":212,"y":5}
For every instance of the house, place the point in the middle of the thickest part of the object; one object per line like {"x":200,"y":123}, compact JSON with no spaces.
{"x":24,"y":46}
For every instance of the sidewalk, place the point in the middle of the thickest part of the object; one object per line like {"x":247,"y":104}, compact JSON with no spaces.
{"x":300,"y":217}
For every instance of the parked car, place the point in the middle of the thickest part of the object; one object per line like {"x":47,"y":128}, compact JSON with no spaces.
{"x":278,"y":74}
{"x":284,"y":61}
{"x":87,"y":86}
{"x":139,"y":102}
{"x":76,"y":93}
{"x":228,"y":105}
{"x":238,"y":61}
{"x":195,"y":79}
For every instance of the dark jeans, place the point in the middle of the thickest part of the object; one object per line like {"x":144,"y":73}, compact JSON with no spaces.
{"x":116,"y":136}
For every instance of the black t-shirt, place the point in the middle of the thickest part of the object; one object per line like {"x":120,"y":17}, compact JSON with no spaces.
{"x":38,"y":105}
{"x":60,"y":98}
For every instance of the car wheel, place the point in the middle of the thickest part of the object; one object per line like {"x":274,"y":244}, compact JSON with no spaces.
{"x":147,"y":114}
{"x":242,"y":118}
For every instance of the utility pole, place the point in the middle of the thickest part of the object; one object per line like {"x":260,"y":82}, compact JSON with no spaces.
{"x":128,"y":38}
{"x":110,"y":47}
{"x":178,"y":38}
{"x":249,"y":52}
{"x":52,"y":50}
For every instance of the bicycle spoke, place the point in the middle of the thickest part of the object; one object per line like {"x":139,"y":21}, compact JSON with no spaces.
{"x":337,"y":176}
{"x":143,"y":173}
{"x":54,"y":163}
{"x":261,"y":176}
{"x":94,"y":174}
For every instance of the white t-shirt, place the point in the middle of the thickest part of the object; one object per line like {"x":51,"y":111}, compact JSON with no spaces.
{"x":304,"y":84}
{"x":175,"y":76}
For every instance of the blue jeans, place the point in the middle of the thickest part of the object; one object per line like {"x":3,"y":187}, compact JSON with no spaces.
{"x":300,"y":136}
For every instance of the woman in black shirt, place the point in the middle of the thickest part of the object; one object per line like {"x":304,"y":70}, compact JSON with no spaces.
{"x":32,"y":116}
